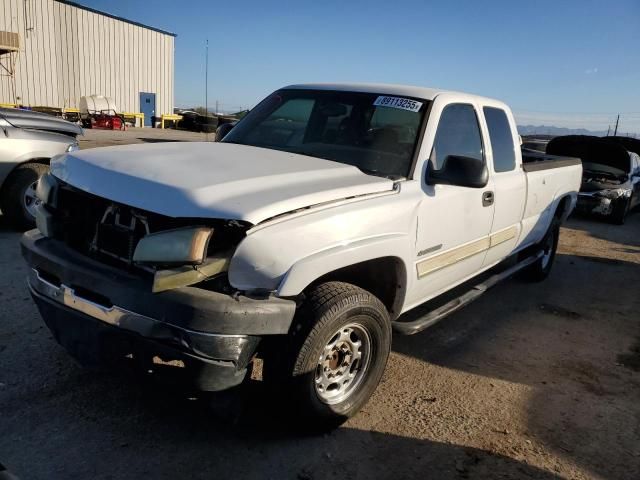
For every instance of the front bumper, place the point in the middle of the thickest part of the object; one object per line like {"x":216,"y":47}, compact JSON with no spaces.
{"x":103,"y":315}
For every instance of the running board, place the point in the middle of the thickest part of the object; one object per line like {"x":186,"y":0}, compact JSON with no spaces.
{"x":433,"y":317}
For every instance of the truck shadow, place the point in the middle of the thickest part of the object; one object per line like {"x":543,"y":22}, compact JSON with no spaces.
{"x":59,"y":420}
{"x":568,"y":344}
{"x":122,"y":431}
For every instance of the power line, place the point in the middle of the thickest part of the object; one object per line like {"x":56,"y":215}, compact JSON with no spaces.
{"x":206,"y":84}
{"x":567,"y":112}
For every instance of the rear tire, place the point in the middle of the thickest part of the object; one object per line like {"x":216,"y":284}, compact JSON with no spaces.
{"x":18,"y":195}
{"x":329,"y":365}
{"x":620,"y":211}
{"x":541,"y":268}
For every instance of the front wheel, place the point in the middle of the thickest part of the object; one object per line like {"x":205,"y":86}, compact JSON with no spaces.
{"x":335,"y":355}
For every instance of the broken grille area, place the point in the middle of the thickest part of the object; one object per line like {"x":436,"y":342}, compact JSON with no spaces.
{"x":109,"y":231}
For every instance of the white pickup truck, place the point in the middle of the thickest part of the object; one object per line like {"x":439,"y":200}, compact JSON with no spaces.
{"x":303,"y":237}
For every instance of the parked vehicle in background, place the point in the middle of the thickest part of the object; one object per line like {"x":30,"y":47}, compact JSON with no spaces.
{"x":323,"y":216}
{"x":196,"y":122}
{"x":223,"y":129}
{"x":536,"y":142}
{"x":611,"y":173}
{"x":28,"y":141}
{"x":100,"y":112}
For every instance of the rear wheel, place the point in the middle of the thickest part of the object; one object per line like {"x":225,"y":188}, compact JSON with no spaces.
{"x":541,"y":268}
{"x":334,"y":358}
{"x":620,"y":211}
{"x":19,"y":199}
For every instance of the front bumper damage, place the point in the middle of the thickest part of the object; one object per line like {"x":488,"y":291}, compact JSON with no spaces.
{"x":189,"y":336}
{"x":603,"y":202}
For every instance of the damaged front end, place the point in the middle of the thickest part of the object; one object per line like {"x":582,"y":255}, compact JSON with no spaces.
{"x":176,"y":252}
{"x":604,"y":193}
{"x":117,"y":284}
{"x":607,"y":169}
{"x":603,"y":202}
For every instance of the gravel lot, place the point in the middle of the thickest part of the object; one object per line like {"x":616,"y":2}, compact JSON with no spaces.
{"x":105,"y":138}
{"x":531,"y":381}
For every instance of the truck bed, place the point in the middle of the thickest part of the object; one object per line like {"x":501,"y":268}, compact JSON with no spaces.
{"x":549,"y":178}
{"x":533,"y":160}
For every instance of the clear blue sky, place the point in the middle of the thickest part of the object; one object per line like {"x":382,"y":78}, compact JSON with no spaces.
{"x":568,"y":63}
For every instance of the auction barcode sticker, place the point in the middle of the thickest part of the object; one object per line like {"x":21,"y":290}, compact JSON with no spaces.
{"x":398,"y":102}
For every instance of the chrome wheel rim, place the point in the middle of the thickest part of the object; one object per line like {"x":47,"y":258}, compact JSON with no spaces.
{"x":343,"y":363}
{"x":547,"y":250}
{"x":30,"y":200}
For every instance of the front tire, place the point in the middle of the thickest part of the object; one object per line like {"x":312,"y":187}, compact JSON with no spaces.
{"x":18,"y":200}
{"x":334,"y":358}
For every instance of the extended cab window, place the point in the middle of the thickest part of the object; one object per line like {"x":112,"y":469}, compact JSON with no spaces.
{"x":504,"y":156}
{"x":458,"y":134}
{"x":375,"y":133}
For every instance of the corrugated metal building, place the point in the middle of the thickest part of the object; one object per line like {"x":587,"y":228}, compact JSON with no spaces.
{"x":65,"y":50}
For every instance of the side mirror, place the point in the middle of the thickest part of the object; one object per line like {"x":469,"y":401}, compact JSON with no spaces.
{"x":222,"y":130}
{"x":460,"y":171}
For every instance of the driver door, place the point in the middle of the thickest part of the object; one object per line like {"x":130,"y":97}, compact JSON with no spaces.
{"x":453,"y":222}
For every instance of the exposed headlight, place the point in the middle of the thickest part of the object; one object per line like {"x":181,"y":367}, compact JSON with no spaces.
{"x":182,"y":246}
{"x":183,"y":276}
{"x":73,"y":147}
{"x":45,"y":190}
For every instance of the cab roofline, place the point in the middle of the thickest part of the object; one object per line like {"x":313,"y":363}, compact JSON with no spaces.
{"x":424,"y":93}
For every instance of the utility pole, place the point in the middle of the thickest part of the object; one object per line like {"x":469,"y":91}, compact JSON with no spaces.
{"x":608,"y":130}
{"x":615,"y":132}
{"x":206,"y":86}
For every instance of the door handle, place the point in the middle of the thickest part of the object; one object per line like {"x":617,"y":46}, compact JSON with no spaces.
{"x":487,"y":199}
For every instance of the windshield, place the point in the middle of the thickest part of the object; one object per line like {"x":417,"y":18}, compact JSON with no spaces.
{"x":375,"y":133}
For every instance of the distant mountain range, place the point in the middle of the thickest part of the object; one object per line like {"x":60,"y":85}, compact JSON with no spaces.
{"x":556,"y":131}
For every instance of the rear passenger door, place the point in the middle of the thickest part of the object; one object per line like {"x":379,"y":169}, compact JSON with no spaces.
{"x":509,"y":183}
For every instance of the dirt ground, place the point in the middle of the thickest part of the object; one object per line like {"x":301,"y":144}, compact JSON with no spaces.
{"x":531,"y":381}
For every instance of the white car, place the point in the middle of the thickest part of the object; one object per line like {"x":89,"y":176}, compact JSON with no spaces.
{"x":28,"y":141}
{"x":304,"y":237}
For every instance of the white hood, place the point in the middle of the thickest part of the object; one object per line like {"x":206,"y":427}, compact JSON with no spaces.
{"x":212,"y":180}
